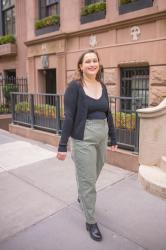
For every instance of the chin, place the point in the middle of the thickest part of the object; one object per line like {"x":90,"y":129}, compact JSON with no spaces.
{"x":92,"y":73}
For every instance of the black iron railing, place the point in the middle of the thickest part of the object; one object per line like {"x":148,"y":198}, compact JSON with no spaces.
{"x":41,"y":111}
{"x":8,"y":85}
{"x":126,"y":121}
{"x":46,"y":112}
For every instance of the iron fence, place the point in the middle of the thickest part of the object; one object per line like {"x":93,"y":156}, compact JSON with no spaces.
{"x":40,"y":111}
{"x":126,"y":121}
{"x":46,"y":112}
{"x":8,"y":85}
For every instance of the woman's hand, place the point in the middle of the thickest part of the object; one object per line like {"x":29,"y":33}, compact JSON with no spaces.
{"x":114,"y":148}
{"x":61,"y":156}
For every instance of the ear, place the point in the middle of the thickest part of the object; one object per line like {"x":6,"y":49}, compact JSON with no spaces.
{"x":80,"y":66}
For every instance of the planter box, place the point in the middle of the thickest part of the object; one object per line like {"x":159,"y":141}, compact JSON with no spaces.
{"x":93,"y":17}
{"x":47,"y":29}
{"x":8,"y":49}
{"x":138,"y":5}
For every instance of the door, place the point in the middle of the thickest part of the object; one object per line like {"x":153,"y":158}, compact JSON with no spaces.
{"x":50,"y":85}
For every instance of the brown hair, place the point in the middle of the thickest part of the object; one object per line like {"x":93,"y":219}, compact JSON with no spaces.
{"x":79,"y":75}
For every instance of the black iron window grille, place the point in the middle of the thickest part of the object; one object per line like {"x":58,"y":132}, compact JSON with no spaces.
{"x":134,"y":83}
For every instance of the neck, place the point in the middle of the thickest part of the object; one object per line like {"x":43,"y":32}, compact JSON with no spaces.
{"x":90,"y":79}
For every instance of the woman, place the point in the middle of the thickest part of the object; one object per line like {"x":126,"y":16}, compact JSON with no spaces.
{"x":89,"y":122}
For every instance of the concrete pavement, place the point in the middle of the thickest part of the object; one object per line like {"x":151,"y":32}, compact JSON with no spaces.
{"x":38,"y":208}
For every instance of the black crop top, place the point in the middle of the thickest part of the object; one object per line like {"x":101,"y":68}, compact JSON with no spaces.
{"x":97,"y":108}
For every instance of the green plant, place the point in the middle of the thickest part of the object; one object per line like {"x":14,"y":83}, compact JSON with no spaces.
{"x":124,"y":120}
{"x":3,"y":109}
{"x":47,"y":21}
{"x":45,"y":110}
{"x":39,"y":109}
{"x":7,"y":39}
{"x":91,"y":8}
{"x":7,"y":89}
{"x":22,"y":107}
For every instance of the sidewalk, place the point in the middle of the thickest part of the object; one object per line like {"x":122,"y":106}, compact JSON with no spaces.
{"x":38,"y":208}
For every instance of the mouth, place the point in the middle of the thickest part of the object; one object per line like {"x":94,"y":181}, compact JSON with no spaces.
{"x":92,"y":69}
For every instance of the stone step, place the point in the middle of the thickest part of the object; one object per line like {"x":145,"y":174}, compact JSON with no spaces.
{"x":163,"y":163}
{"x":153,"y":180}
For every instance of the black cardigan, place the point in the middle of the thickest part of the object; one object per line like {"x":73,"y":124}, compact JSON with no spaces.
{"x":75,"y":109}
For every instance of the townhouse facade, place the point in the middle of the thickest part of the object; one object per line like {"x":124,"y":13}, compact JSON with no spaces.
{"x":13,"y":22}
{"x":130,"y":37}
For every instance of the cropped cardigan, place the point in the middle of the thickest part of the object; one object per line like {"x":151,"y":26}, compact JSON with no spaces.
{"x":75,"y":111}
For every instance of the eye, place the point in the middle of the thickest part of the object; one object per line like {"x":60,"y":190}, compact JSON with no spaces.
{"x":87,"y":61}
{"x":95,"y":60}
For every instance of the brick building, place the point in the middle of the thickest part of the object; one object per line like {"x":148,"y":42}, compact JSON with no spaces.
{"x":130,"y":38}
{"x":13,"y":21}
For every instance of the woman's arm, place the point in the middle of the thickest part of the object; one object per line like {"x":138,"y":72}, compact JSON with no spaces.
{"x":70,"y":104}
{"x":111,"y":131}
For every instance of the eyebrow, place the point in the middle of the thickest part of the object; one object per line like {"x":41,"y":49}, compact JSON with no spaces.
{"x":91,"y":59}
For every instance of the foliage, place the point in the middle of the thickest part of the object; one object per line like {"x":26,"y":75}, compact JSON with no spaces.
{"x":4,"y":109}
{"x":7,"y":89}
{"x":40,"y":109}
{"x":22,"y":107}
{"x":45,"y":110}
{"x":7,"y":39}
{"x":47,"y":21}
{"x":124,"y":120}
{"x":91,"y":8}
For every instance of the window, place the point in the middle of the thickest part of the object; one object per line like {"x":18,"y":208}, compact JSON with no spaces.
{"x":135,"y":83}
{"x":8,"y":16}
{"x":87,"y":2}
{"x":133,"y":5}
{"x":48,"y":8}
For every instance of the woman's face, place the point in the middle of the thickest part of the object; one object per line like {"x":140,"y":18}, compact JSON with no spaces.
{"x":90,"y":65}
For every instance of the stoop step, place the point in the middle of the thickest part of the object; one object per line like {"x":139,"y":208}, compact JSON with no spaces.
{"x":153,"y":179}
{"x":163,"y":163}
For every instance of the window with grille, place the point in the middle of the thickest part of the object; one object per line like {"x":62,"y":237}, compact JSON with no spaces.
{"x":8,"y":16}
{"x":135,"y":83}
{"x":48,"y":8}
{"x":87,"y":2}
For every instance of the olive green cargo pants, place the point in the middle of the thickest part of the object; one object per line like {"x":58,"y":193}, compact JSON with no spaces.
{"x":89,"y":157}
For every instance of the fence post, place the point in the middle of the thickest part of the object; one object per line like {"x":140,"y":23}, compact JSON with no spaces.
{"x":32,"y":110}
{"x":138,"y":105}
{"x":13,"y":97}
{"x":57,"y":113}
{"x":136,"y":146}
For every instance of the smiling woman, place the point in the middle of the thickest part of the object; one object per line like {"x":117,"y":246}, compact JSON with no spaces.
{"x":89,"y":122}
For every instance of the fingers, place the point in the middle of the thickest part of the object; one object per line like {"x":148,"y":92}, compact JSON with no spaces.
{"x":61,"y":156}
{"x":114,"y":148}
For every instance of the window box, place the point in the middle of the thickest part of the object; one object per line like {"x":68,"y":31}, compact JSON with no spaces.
{"x":47,"y":25}
{"x":8,"y":49}
{"x":47,"y":29}
{"x":127,"y":6}
{"x":93,"y":17}
{"x":93,"y":12}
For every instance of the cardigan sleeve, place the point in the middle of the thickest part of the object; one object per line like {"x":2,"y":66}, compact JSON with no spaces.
{"x":111,"y":131}
{"x":70,"y":104}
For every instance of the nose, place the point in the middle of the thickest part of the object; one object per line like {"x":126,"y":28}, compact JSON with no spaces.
{"x":92,"y":63}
